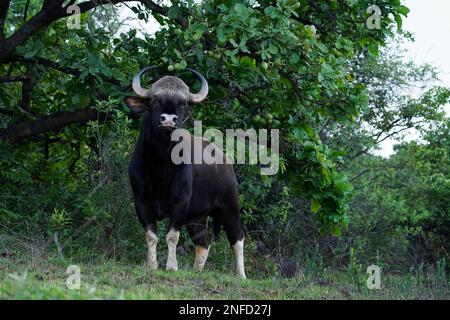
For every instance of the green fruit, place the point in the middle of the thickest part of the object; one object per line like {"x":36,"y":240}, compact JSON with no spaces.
{"x":178,"y":31}
{"x":177,"y":66}
{"x":188,"y":43}
{"x":268,"y":117}
{"x":170,"y":68}
{"x":308,"y":145}
{"x":350,"y":77}
{"x":264,"y":65}
{"x":255,"y":100}
{"x":257,"y":118}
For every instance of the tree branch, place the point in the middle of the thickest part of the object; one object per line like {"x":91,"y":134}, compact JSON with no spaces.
{"x":52,"y":11}
{"x":359,"y":175}
{"x":4,"y":6}
{"x":17,"y":132}
{"x":27,"y":90}
{"x":3,"y":110}
{"x":294,"y":84}
{"x":25,"y":11}
{"x":164,"y":11}
{"x":13,"y":79}
{"x":54,"y":65}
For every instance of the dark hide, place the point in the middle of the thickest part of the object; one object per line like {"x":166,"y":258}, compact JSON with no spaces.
{"x":185,"y":194}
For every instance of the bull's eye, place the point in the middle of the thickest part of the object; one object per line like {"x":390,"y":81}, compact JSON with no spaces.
{"x":162,"y":118}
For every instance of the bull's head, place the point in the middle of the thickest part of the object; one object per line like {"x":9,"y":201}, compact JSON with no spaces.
{"x":166,"y":100}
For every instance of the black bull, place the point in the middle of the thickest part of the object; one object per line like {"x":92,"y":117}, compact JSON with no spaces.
{"x":186,"y":194}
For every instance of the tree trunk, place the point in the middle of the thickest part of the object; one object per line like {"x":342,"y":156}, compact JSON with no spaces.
{"x":17,"y":132}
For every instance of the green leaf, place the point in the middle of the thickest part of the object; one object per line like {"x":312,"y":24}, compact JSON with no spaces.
{"x":233,"y":42}
{"x":399,"y":21}
{"x":315,"y":205}
{"x":404,"y":10}
{"x":273,"y":49}
{"x":173,"y":12}
{"x":223,"y":8}
{"x":240,"y":8}
{"x":336,"y":231}
{"x":178,"y":54}
{"x":183,"y":64}
{"x":373,"y":49}
{"x":248,"y":61}
{"x":322,"y":47}
{"x":221,"y":35}
{"x":294,"y":58}
{"x":30,"y":54}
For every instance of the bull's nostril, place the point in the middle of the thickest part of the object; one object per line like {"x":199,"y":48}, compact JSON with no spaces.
{"x":175,"y":118}
{"x":162,"y":118}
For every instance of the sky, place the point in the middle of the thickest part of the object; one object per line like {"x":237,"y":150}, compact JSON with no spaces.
{"x":428,"y":20}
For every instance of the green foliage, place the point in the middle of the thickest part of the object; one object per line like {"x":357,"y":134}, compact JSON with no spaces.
{"x":407,"y":196}
{"x":281,"y":53}
{"x":313,"y":70}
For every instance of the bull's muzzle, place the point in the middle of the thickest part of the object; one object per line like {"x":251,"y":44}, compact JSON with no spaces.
{"x":168,"y":121}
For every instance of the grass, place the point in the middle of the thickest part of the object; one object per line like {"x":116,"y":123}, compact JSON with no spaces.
{"x":46,"y":279}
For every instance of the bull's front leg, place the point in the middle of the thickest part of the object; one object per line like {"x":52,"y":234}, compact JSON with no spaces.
{"x":172,"y":241}
{"x":147,"y":218}
{"x":152,"y":242}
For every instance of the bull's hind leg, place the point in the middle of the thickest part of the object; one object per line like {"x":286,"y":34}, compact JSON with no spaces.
{"x":172,"y":241}
{"x":235,"y":234}
{"x":152,"y":242}
{"x":199,"y":235}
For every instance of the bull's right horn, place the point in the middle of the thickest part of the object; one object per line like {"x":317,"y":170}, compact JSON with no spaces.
{"x":201,"y":95}
{"x":136,"y":84}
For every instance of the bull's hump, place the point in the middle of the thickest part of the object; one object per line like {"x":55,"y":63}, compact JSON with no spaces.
{"x":169,"y":85}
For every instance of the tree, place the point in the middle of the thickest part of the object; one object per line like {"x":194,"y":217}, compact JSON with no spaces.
{"x":288,"y":61}
{"x":403,"y":97}
{"x":401,"y":206}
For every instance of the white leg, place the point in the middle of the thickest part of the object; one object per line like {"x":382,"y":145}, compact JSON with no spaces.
{"x":201,"y":254}
{"x":152,"y":241}
{"x":172,"y":241}
{"x":238,"y":249}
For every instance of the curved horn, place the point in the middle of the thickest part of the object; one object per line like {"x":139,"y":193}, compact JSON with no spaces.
{"x":201,"y":95}
{"x":136,"y":84}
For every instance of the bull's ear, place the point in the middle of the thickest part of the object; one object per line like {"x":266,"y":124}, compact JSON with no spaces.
{"x":137,"y":105}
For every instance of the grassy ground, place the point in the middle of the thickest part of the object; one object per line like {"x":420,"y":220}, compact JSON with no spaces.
{"x":112,"y":280}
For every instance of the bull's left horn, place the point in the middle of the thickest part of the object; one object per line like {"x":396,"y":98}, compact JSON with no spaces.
{"x":136,"y":84}
{"x":201,"y":95}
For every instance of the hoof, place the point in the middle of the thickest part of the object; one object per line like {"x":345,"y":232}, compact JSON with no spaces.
{"x":172,"y":267}
{"x":152,"y":266}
